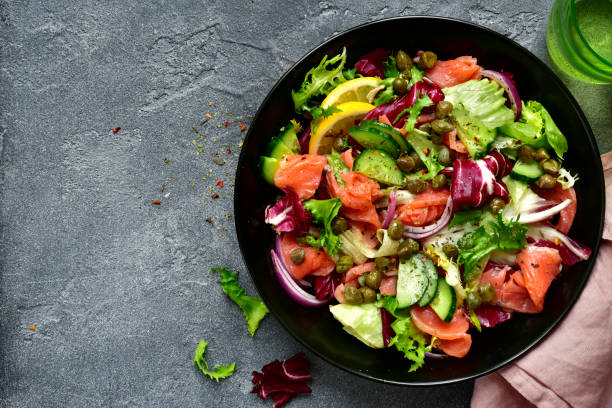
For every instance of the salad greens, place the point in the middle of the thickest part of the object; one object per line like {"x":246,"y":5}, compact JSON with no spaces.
{"x":338,"y":166}
{"x":427,"y":152}
{"x":413,"y":112}
{"x":362,"y":321}
{"x":218,"y":372}
{"x":323,"y":212}
{"x":253,"y":308}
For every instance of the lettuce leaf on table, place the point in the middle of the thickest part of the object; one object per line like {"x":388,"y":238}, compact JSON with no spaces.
{"x":218,"y":372}
{"x":253,"y":308}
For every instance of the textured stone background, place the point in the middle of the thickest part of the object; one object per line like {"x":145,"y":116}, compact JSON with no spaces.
{"x":117,"y":287}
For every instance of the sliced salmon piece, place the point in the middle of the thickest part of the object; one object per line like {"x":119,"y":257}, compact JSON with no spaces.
{"x":385,"y":119}
{"x":388,"y":286}
{"x":301,"y":172}
{"x":368,"y":215}
{"x":496,"y":276}
{"x":427,"y":207}
{"x":348,"y":159}
{"x":453,"y":142}
{"x":458,"y":347}
{"x":357,"y":193}
{"x":316,"y":261}
{"x":425,"y":118}
{"x":515,"y":296}
{"x":539,"y":266}
{"x":339,"y":292}
{"x":366,"y":231}
{"x":429,"y":322}
{"x":558,"y":195}
{"x":358,"y":270}
{"x":454,"y":72}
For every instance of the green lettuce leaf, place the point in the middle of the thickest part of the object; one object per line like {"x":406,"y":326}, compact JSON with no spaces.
{"x":361,"y":321}
{"x":334,"y":159}
{"x":410,"y":341}
{"x":462,"y":217}
{"x":253,"y":308}
{"x":413,"y":112}
{"x":321,"y":80}
{"x":218,"y":372}
{"x":490,"y":236}
{"x":427,"y":152}
{"x":323,"y":212}
{"x":390,"y":70}
{"x":386,"y":95}
{"x":554,"y":137}
{"x":319,"y":113}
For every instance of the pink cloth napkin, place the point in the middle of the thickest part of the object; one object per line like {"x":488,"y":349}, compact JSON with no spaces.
{"x":572,"y":367}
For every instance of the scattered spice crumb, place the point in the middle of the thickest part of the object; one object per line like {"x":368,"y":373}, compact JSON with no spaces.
{"x":219,"y":162}
{"x":195,"y":129}
{"x":227,"y":217}
{"x":116,"y":129}
{"x":229,"y":151}
{"x":167,"y":195}
{"x":209,"y":103}
{"x":209,"y":220}
{"x":156,"y":202}
{"x":163,"y":187}
{"x":240,"y":143}
{"x":166,"y":160}
{"x":208,"y":115}
{"x":32,"y":327}
{"x":227,"y":123}
{"x":203,"y":255}
{"x":243,"y":127}
{"x":220,"y":183}
{"x":214,"y":196}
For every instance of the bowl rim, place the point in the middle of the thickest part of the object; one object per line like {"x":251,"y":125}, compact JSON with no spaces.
{"x":592,"y":145}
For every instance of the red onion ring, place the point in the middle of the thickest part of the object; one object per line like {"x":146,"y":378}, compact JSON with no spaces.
{"x":291,"y":287}
{"x":303,"y":283}
{"x":511,"y":92}
{"x":429,"y":354}
{"x":429,"y":230}
{"x":390,"y":210}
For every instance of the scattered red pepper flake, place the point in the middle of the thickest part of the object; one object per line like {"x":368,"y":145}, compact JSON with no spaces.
{"x":229,"y":151}
{"x":214,"y":196}
{"x":423,"y":172}
{"x":32,"y":327}
{"x":243,"y":127}
{"x":208,"y":115}
{"x":425,"y":150}
{"x":116,"y":129}
{"x":396,"y":168}
{"x":475,"y":139}
{"x":227,"y":123}
{"x":220,"y":183}
{"x":209,"y":220}
{"x":156,"y":202}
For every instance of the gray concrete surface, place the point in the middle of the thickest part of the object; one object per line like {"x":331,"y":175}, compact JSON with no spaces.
{"x":117,"y":287}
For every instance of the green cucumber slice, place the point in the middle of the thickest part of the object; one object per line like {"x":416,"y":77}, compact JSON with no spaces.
{"x":412,"y":282}
{"x":374,"y":139}
{"x":290,"y":139}
{"x":432,"y":276}
{"x":445,"y":301}
{"x":526,"y":171}
{"x":389,"y":130}
{"x":268,"y":167}
{"x":380,"y":166}
{"x":277,"y":149}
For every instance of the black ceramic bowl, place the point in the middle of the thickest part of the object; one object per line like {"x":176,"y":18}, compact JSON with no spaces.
{"x":316,"y":328}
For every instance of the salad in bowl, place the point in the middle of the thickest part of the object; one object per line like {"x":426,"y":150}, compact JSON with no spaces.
{"x":419,"y":200}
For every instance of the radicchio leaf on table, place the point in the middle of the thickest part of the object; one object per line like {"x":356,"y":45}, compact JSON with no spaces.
{"x":282,"y":380}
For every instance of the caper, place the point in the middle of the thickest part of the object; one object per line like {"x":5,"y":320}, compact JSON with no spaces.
{"x":541,"y":154}
{"x":451,"y":251}
{"x":339,"y":144}
{"x":396,"y":229}
{"x":344,"y":264}
{"x":437,"y":138}
{"x":406,"y":74}
{"x":381,"y":263}
{"x":425,"y":127}
{"x":369,"y":294}
{"x":339,"y":225}
{"x":526,"y":153}
{"x":416,"y":186}
{"x":373,"y":279}
{"x":441,"y":126}
{"x":546,"y":181}
{"x":439,"y":181}
{"x":297,"y":256}
{"x":486,"y":292}
{"x":443,"y":109}
{"x":551,"y":166}
{"x":302,"y":241}
{"x":414,"y":245}
{"x":418,"y":163}
{"x":496,"y":204}
{"x":353,"y":296}
{"x":407,"y":248}
{"x":361,"y":279}
{"x":444,"y":156}
{"x":473,"y":300}
{"x":400,"y":85}
{"x":402,"y":60}
{"x":427,"y":60}
{"x":406,"y":163}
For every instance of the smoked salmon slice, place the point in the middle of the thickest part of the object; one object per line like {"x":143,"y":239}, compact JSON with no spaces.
{"x":300,"y":172}
{"x":428,"y":321}
{"x":358,"y":270}
{"x":457,"y":347}
{"x":316,"y":261}
{"x":510,"y":292}
{"x":388,"y":286}
{"x":454,"y":72}
{"x":427,"y":207}
{"x":539,"y":267}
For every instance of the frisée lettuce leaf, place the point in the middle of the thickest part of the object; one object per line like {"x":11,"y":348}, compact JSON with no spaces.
{"x":218,"y":372}
{"x":323,"y":212}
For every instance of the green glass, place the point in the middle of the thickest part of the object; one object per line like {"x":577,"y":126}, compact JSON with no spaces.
{"x":579,"y":39}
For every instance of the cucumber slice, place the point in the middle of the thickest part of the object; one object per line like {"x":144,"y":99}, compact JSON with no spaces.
{"x":268,"y":167}
{"x":277,"y":149}
{"x":374,"y":139}
{"x":445,"y":301}
{"x":473,"y":133}
{"x":432,"y":276}
{"x":290,"y":139}
{"x":389,"y":130}
{"x":412,"y":282}
{"x":380,"y":166}
{"x":526,"y":171}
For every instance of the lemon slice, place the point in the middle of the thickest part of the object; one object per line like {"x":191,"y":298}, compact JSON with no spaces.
{"x":332,"y":126}
{"x":355,"y":90}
